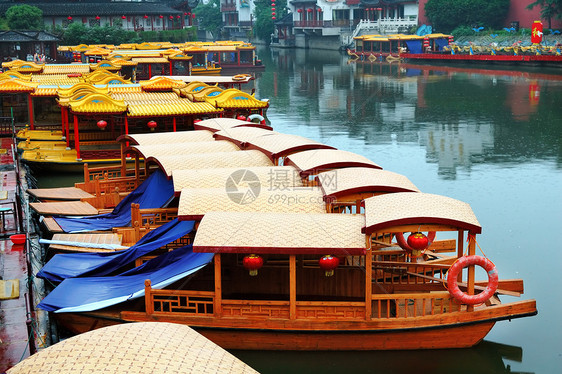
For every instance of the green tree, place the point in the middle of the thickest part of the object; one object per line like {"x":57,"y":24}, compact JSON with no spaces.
{"x":549,"y":9}
{"x":264,"y":24}
{"x":446,"y":15}
{"x":77,"y":33}
{"x":24,"y":17}
{"x":209,"y":17}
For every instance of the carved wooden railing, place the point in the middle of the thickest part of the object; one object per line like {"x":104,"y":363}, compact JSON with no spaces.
{"x":152,"y":217}
{"x":199,"y":303}
{"x":413,"y":305}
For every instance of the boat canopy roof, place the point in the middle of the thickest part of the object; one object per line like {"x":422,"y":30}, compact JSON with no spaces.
{"x":274,"y":178}
{"x":196,"y":202}
{"x":319,"y":160}
{"x":210,"y":160}
{"x":384,"y":212}
{"x":280,"y":233}
{"x":156,"y":150}
{"x":347,"y":181}
{"x":216,"y":124}
{"x":167,"y":137}
{"x":241,"y":135}
{"x":279,"y":145}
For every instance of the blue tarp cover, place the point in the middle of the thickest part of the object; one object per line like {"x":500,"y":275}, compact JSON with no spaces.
{"x":441,"y":43}
{"x":154,"y":192}
{"x":87,"y":294}
{"x":414,"y":46}
{"x":70,"y":265}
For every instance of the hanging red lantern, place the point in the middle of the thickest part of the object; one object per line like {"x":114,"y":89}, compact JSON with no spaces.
{"x":241,"y":117}
{"x":273,"y":17}
{"x":272,"y":13}
{"x":188,"y":14}
{"x":171,"y":17}
{"x":328,"y":263}
{"x":102,"y":124}
{"x":418,"y":242}
{"x":123,"y":17}
{"x":160,"y":16}
{"x":185,"y":13}
{"x":252,"y":263}
{"x":98,"y":18}
{"x":272,"y":4}
{"x":193,"y":15}
{"x":145,"y":16}
{"x":69,"y":18}
{"x":178,"y":17}
{"x":299,"y":10}
{"x":309,"y":10}
{"x":152,"y":125}
{"x":273,"y":9}
{"x":319,"y":10}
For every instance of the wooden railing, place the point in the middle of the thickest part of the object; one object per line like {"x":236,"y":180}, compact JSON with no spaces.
{"x":152,"y":217}
{"x":406,"y":273}
{"x":413,"y":305}
{"x":199,"y":303}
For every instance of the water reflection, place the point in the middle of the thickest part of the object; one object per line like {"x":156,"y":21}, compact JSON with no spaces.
{"x":486,"y":357}
{"x":461,"y":116}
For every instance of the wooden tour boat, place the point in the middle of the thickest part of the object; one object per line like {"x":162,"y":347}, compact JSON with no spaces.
{"x":319,"y":261}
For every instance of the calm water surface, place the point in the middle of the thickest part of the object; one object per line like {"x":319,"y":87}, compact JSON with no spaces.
{"x":490,"y":138}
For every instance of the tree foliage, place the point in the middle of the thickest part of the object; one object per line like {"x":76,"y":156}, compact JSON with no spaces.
{"x":24,"y":17}
{"x":77,"y":33}
{"x":445,"y":15}
{"x":549,"y":9}
{"x":264,"y":24}
{"x":209,"y":17}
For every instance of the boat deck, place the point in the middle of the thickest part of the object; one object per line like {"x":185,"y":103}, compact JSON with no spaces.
{"x":65,"y":208}
{"x":63,"y":193}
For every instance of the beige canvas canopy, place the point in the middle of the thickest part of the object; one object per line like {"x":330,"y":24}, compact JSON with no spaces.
{"x":319,"y":160}
{"x":210,"y":160}
{"x":140,"y":348}
{"x":217,"y":124}
{"x":279,"y":145}
{"x":167,"y":137}
{"x":184,"y":148}
{"x":283,"y":233}
{"x":240,"y":135}
{"x":247,"y":196}
{"x":273,"y":178}
{"x":338,"y":183}
{"x":408,"y":208}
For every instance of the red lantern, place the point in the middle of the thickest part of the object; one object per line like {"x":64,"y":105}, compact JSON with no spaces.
{"x":241,"y":117}
{"x":188,"y":14}
{"x":171,"y":17}
{"x":69,"y":18}
{"x":272,"y":13}
{"x":418,"y":242}
{"x":272,"y":4}
{"x":123,"y":17}
{"x":178,"y":17}
{"x":536,"y":32}
{"x":151,"y":125}
{"x":185,"y":14}
{"x":273,"y":17}
{"x":328,"y":263}
{"x":252,"y":263}
{"x":319,"y":10}
{"x":193,"y":15}
{"x":309,"y":10}
{"x":145,"y":16}
{"x":160,"y":16}
{"x":299,"y":10}
{"x":102,"y":124}
{"x":98,"y":18}
{"x":273,"y":9}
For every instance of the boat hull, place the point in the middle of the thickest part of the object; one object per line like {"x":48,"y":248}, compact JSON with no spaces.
{"x":452,"y":330}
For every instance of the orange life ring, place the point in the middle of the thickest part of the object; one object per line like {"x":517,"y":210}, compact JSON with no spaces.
{"x":457,"y":267}
{"x":239,"y":77}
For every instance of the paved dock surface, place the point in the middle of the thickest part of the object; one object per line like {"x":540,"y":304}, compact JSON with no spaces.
{"x":13,"y":329}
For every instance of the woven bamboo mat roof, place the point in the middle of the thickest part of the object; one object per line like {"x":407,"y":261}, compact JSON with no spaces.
{"x":286,"y":233}
{"x":139,"y":348}
{"x":407,"y":208}
{"x":185,"y":148}
{"x":168,"y":137}
{"x":274,"y":178}
{"x":64,"y":208}
{"x":319,"y":160}
{"x":98,"y":242}
{"x":210,"y":160}
{"x":341,"y":182}
{"x":217,"y":124}
{"x":240,"y":135}
{"x":279,"y":145}
{"x":247,"y":196}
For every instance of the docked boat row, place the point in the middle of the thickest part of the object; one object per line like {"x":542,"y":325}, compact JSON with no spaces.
{"x":263,"y":240}
{"x":441,"y":47}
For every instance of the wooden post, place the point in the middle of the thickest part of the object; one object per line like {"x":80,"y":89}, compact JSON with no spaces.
{"x":471,"y":272}
{"x":368,"y":278}
{"x":148,"y":304}
{"x":66,"y":128}
{"x":76,"y":137}
{"x":292,"y":287}
{"x":174,"y":123}
{"x":30,"y":111}
{"x":123,"y":161}
{"x":218,"y":286}
{"x":460,"y":250}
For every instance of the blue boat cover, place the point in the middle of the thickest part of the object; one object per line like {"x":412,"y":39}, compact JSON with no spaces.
{"x":87,"y":294}
{"x":154,"y":192}
{"x":70,"y":265}
{"x":441,"y":42}
{"x":414,"y":46}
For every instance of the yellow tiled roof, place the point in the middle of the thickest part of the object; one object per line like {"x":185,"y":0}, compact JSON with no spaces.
{"x":125,"y":88}
{"x":161,"y":83}
{"x":150,"y":60}
{"x":16,"y":85}
{"x":185,"y":107}
{"x":45,"y":91}
{"x":107,"y":65}
{"x":97,"y":103}
{"x":233,"y":98}
{"x":58,"y":79}
{"x":66,"y":69}
{"x":15,"y":74}
{"x":97,"y":52}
